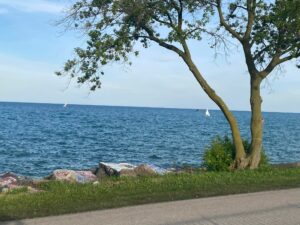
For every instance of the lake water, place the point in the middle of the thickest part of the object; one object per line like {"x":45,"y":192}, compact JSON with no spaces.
{"x":35,"y":139}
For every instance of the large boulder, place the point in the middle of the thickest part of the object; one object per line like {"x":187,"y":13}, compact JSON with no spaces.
{"x":126,"y":169}
{"x":114,"y":169}
{"x":158,"y":170}
{"x":128,"y":173}
{"x":10,"y":181}
{"x":73,"y":176}
{"x":144,"y":170}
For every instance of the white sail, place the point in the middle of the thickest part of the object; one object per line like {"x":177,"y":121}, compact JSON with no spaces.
{"x":207,"y":114}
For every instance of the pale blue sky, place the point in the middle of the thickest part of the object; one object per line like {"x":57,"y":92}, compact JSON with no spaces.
{"x":32,"y":48}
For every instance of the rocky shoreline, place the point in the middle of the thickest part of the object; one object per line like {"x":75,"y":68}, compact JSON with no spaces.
{"x":11,"y":181}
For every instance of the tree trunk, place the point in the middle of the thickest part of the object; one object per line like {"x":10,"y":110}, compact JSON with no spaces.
{"x":256,"y":123}
{"x":240,"y":159}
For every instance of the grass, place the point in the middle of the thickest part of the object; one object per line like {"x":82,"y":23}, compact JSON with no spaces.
{"x":60,"y":198}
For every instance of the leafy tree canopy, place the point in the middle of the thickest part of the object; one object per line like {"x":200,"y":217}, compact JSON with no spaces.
{"x":115,"y":26}
{"x":271,"y":29}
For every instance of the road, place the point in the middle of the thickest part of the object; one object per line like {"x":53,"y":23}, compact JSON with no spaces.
{"x":263,"y":208}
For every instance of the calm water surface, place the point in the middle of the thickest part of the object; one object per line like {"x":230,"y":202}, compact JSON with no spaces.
{"x":38,"y":138}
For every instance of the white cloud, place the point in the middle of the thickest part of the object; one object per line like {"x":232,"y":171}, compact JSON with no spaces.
{"x":32,"y":6}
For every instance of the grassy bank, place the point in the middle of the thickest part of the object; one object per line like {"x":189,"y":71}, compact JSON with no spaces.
{"x":60,"y":198}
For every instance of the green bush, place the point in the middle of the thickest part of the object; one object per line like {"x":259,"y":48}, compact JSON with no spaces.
{"x":220,"y":154}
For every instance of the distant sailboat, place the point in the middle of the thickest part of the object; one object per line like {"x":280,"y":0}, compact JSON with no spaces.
{"x":65,"y":105}
{"x":207,"y":114}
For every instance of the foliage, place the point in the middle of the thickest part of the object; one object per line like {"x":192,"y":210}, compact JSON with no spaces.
{"x":276,"y":30}
{"x":269,"y":31}
{"x":115,"y":27}
{"x":220,"y":155}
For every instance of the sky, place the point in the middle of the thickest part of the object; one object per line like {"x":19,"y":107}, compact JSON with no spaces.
{"x":32,"y":48}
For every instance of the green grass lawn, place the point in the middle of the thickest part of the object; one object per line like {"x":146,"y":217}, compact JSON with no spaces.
{"x":59,"y":198}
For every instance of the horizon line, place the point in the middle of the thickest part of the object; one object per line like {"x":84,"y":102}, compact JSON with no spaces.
{"x":135,"y":106}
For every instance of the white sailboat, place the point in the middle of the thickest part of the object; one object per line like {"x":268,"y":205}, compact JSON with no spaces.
{"x":207,"y":114}
{"x":65,"y":105}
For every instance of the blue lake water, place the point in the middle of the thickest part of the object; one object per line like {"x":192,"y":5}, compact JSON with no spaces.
{"x":35,"y":139}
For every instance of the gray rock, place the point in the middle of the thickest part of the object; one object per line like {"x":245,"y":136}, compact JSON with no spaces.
{"x":114,"y":169}
{"x":144,"y":170}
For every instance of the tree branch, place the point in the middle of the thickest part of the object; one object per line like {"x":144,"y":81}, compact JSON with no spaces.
{"x":251,"y":6}
{"x":180,"y":32}
{"x":276,"y":60}
{"x":169,"y":24}
{"x":224,"y":24}
{"x":161,"y":42}
{"x":270,"y":67}
{"x":287,"y":58}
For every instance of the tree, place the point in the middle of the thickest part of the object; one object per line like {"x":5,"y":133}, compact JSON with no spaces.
{"x":267,"y":32}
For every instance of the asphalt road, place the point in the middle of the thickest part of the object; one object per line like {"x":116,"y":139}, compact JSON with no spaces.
{"x":263,"y":208}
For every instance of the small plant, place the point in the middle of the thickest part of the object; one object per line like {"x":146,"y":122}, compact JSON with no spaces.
{"x":220,"y":154}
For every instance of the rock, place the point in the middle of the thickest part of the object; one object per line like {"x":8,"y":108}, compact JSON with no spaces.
{"x":10,"y":181}
{"x":144,"y":170}
{"x":158,"y":170}
{"x":128,"y":173}
{"x":114,"y":169}
{"x":73,"y":176}
{"x":94,"y":170}
{"x":100,"y":172}
{"x":85,"y":176}
{"x":126,"y":169}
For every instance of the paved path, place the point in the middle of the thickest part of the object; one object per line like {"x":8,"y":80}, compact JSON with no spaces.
{"x":263,"y":208}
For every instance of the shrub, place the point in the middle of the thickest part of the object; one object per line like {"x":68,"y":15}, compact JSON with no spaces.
{"x":220,"y":154}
